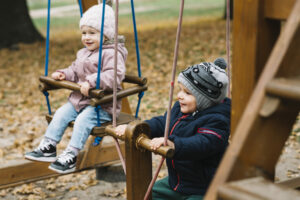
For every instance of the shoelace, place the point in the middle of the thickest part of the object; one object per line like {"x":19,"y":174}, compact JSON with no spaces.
{"x":65,"y":157}
{"x":43,"y":145}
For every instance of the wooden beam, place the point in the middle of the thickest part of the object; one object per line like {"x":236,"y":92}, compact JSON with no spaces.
{"x":256,"y":188}
{"x":253,"y":40}
{"x":25,"y":171}
{"x":278,"y":9}
{"x":86,"y":4}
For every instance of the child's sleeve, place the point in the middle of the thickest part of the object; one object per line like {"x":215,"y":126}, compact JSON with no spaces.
{"x":157,"y":126}
{"x":107,"y":72}
{"x":71,"y":71}
{"x":206,"y":142}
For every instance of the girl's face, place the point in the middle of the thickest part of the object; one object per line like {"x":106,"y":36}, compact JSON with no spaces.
{"x":187,"y":101}
{"x":90,"y":37}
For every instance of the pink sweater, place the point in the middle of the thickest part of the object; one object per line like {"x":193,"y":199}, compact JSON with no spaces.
{"x":85,"y":68}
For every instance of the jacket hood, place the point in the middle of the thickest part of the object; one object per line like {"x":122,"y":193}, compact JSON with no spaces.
{"x":121,"y":48}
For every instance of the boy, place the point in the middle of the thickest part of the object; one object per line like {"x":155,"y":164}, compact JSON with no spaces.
{"x":199,"y":131}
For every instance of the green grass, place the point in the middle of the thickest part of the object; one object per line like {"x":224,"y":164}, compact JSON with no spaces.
{"x":159,"y":11}
{"x":39,"y":4}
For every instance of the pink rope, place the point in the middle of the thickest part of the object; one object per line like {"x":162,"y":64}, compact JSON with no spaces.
{"x":166,"y":133}
{"x":114,"y":123}
{"x":228,"y":45}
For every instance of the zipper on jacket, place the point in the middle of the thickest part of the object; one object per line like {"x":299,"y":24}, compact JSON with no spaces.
{"x":178,"y":177}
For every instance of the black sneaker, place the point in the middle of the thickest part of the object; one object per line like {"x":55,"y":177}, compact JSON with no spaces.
{"x":45,"y":152}
{"x":65,"y":163}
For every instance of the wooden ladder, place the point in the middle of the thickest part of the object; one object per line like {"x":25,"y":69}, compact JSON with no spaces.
{"x":272,"y":109}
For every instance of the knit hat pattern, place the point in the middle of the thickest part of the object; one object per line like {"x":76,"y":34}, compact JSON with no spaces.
{"x":93,"y":18}
{"x":207,"y":81}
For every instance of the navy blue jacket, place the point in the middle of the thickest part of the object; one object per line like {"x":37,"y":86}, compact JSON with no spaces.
{"x":200,"y":141}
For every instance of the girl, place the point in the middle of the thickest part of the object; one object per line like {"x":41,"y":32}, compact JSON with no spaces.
{"x":83,"y":71}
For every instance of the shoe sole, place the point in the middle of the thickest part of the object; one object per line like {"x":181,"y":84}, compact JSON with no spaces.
{"x":41,"y":159}
{"x":62,"y":172}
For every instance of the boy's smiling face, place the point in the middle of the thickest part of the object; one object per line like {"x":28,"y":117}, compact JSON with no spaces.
{"x":187,"y":101}
{"x":90,"y":37}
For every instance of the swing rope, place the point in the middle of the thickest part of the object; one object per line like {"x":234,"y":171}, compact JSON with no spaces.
{"x":141,"y":94}
{"x":114,"y":123}
{"x":80,"y":8}
{"x":47,"y":55}
{"x":228,"y":46}
{"x":166,"y":133}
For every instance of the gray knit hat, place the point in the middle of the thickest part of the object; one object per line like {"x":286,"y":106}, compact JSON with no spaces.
{"x":93,"y":16}
{"x":207,"y":81}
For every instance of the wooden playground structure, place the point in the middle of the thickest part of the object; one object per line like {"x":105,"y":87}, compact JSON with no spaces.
{"x":265,"y":104}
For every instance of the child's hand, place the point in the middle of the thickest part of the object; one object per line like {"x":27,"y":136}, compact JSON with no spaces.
{"x":58,"y":76}
{"x":158,"y":142}
{"x":84,"y":88}
{"x":120,"y":130}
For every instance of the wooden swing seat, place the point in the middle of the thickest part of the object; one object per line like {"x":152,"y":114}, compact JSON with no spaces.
{"x":98,"y":97}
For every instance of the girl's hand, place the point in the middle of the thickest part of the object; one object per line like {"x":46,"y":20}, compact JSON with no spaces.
{"x":158,"y":142}
{"x":84,"y":88}
{"x":120,"y":130}
{"x":58,"y":76}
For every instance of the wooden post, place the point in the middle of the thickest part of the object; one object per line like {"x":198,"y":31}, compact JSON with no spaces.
{"x":138,"y":162}
{"x":253,"y":39}
{"x":86,"y":4}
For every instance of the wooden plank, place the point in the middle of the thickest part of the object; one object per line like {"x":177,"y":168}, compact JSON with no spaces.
{"x":253,"y":40}
{"x":256,"y":188}
{"x":251,"y":152}
{"x":138,"y":175}
{"x":291,"y":183}
{"x":278,"y":9}
{"x":284,"y":88}
{"x":19,"y":172}
{"x":143,"y":141}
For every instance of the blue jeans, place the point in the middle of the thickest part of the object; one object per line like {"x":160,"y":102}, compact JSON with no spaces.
{"x":85,"y":121}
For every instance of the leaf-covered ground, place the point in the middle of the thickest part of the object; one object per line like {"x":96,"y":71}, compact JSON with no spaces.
{"x":22,"y":106}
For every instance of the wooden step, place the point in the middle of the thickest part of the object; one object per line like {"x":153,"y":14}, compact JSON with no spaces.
{"x":123,"y":118}
{"x":284,"y":88}
{"x":257,"y":188}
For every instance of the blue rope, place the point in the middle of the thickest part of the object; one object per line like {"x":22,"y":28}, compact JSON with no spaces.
{"x":47,"y":54}
{"x":136,"y":39}
{"x":141,"y":94}
{"x":80,"y":7}
{"x":100,"y":47}
{"x":48,"y":102}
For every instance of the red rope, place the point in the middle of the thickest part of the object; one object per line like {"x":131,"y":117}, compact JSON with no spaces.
{"x":170,"y":97}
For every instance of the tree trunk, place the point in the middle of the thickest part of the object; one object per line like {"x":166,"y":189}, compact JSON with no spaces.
{"x":16,"y":25}
{"x":230,"y":9}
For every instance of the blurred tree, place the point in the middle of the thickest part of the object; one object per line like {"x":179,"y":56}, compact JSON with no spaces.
{"x":16,"y":25}
{"x":231,"y":9}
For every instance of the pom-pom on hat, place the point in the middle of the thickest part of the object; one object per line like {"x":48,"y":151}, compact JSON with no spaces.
{"x":93,"y":18}
{"x":207,"y":81}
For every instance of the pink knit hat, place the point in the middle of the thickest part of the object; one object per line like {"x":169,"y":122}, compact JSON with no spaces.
{"x":93,"y":18}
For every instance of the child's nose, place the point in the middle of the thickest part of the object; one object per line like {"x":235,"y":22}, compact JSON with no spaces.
{"x":179,"y":95}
